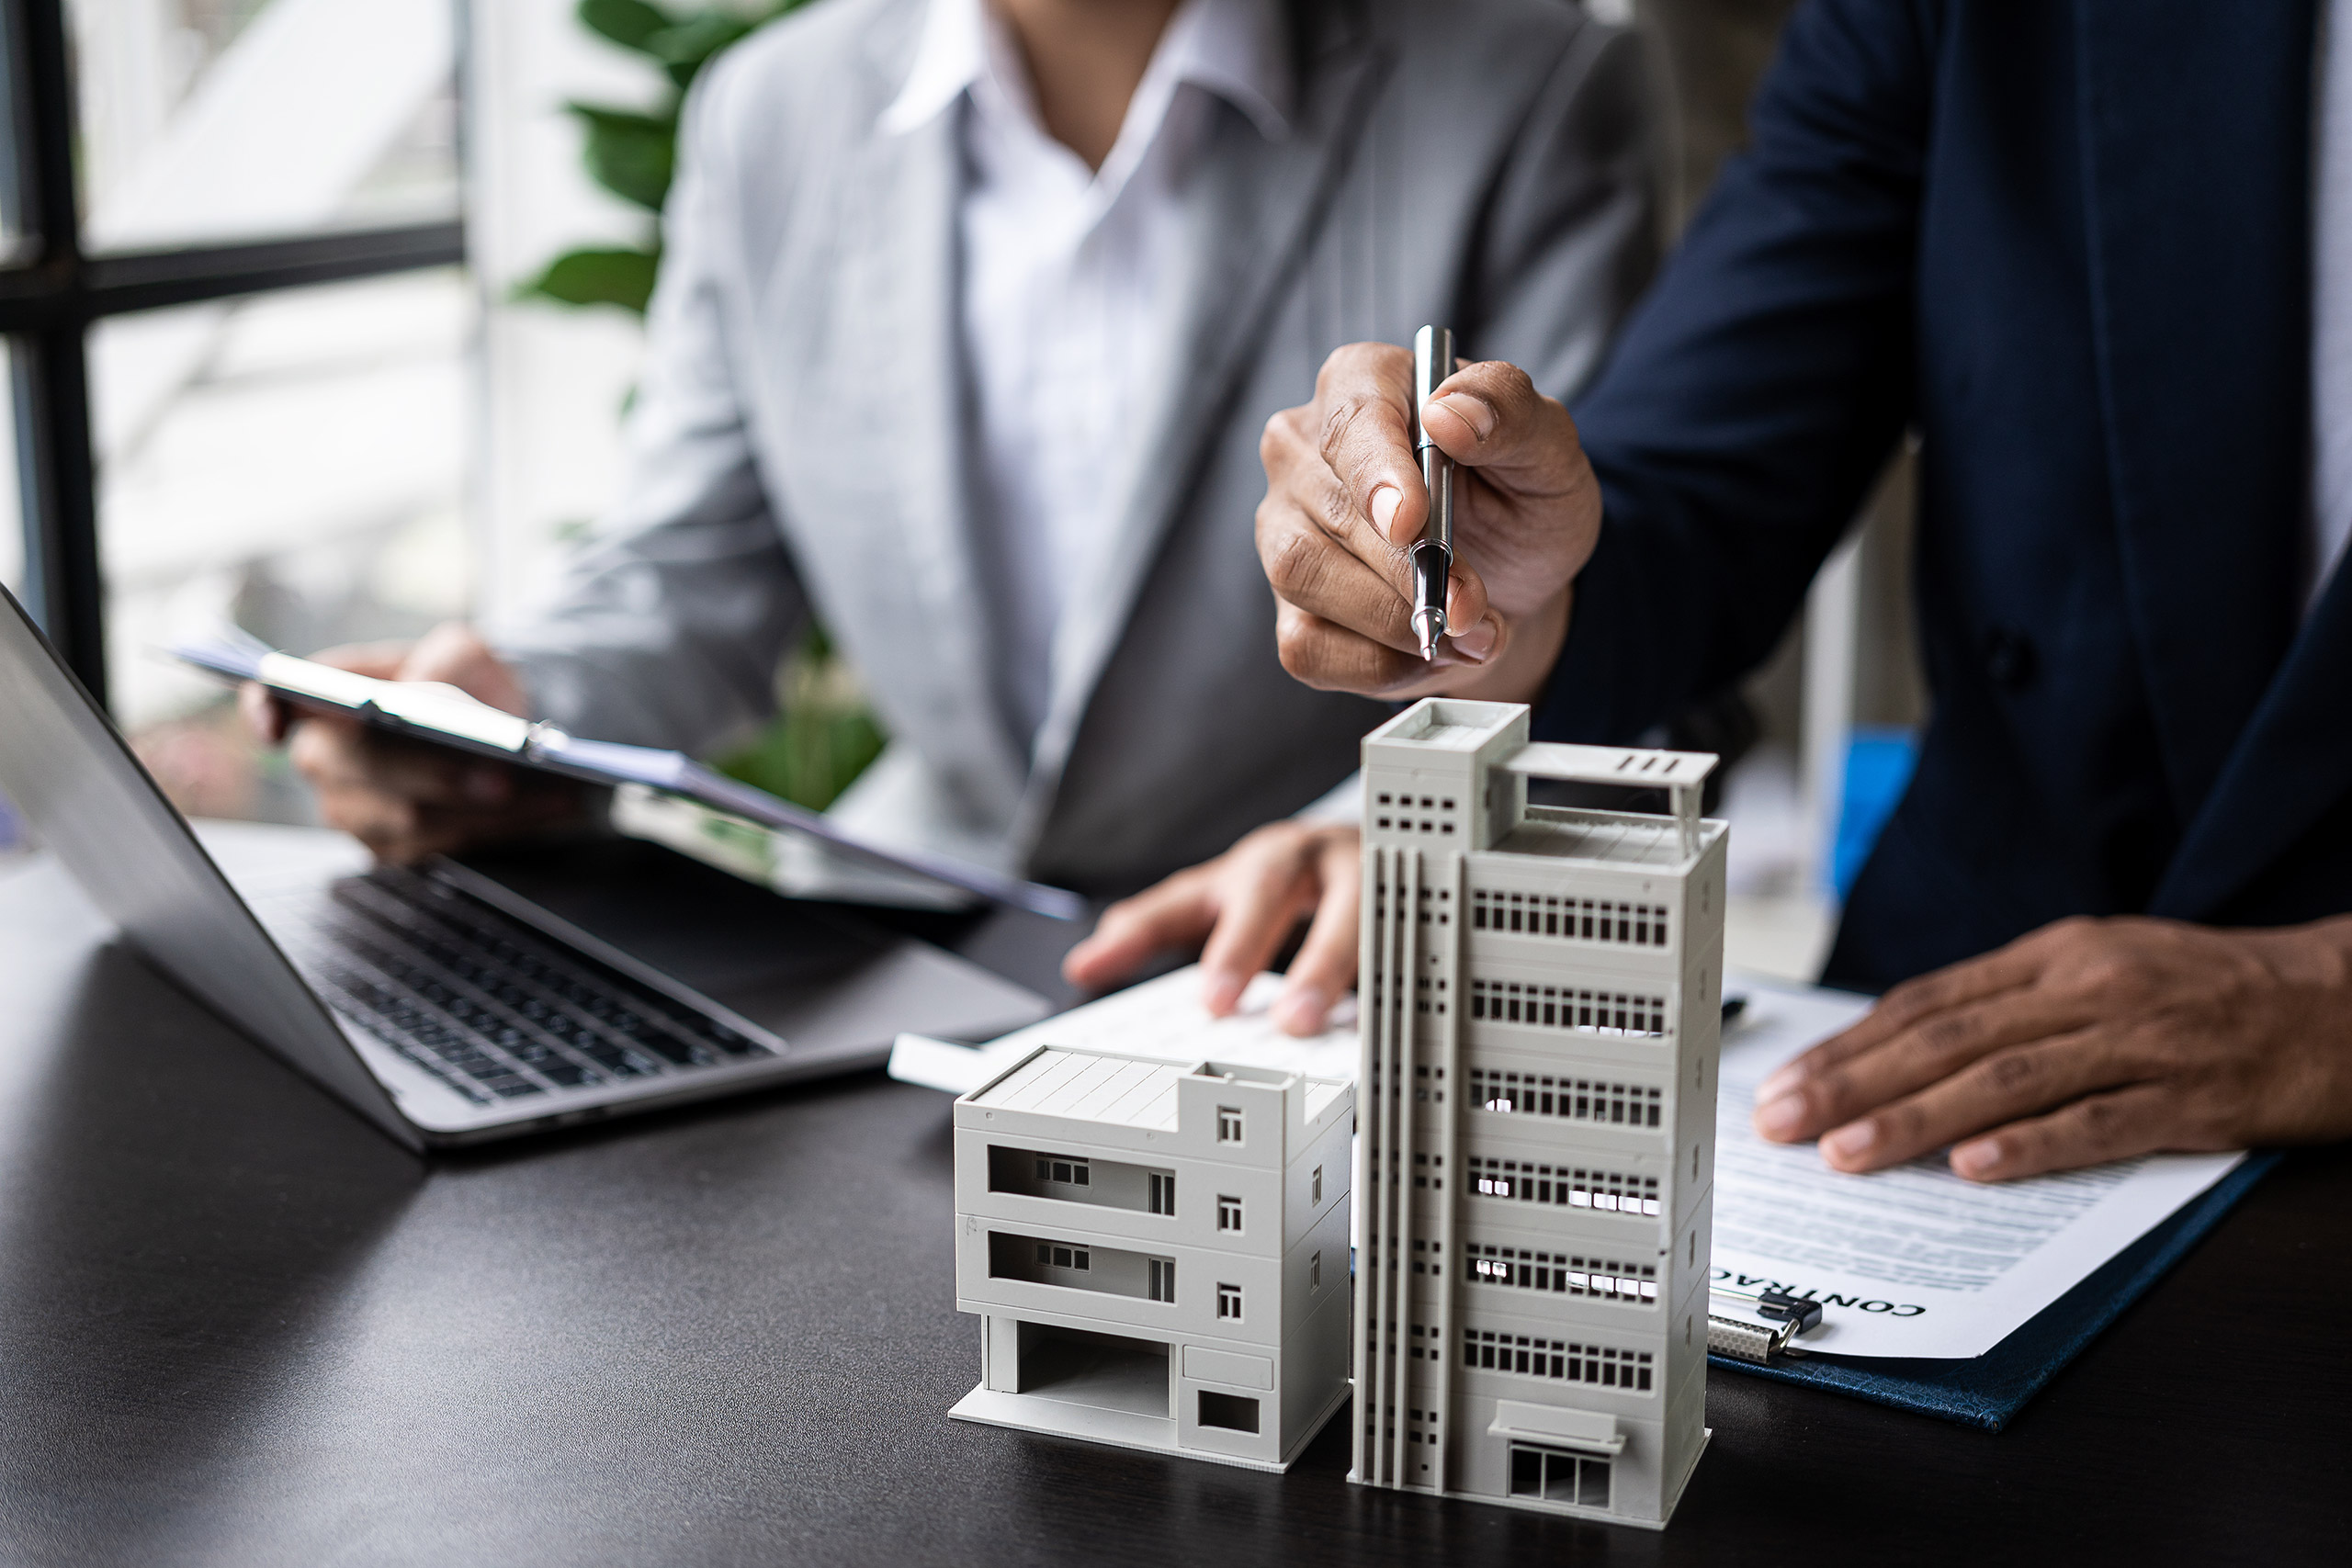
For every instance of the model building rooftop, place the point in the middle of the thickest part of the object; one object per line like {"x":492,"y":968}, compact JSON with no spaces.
{"x":1609,"y":837}
{"x":1128,"y":1091}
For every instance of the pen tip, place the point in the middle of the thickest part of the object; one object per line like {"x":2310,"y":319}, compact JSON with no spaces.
{"x":1428,"y":626}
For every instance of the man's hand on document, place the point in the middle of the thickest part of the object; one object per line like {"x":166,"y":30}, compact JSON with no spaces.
{"x":1244,"y":905}
{"x":407,"y":800}
{"x":2087,"y":1041}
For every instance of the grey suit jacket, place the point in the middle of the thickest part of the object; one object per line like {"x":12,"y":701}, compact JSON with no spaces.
{"x":801,"y":434}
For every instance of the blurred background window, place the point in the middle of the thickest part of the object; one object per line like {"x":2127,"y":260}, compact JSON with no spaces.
{"x":272,"y":353}
{"x":243,"y":343}
{"x":12,"y":525}
{"x":207,"y":120}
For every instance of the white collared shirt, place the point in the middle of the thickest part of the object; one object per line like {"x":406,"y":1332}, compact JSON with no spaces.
{"x":1073,"y":293}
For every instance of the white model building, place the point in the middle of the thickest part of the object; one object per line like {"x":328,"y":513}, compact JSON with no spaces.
{"x":1158,"y":1253}
{"x":1530,"y":1321}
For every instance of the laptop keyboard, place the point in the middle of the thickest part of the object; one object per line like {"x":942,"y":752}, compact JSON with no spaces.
{"x":485,"y":1003}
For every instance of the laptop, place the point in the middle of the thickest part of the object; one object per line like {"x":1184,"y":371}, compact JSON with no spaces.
{"x":449,"y":1003}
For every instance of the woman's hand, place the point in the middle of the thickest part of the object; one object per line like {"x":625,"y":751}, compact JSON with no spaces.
{"x":1244,"y":905}
{"x":408,"y":800}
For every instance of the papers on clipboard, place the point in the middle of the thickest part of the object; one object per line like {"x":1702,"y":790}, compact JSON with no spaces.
{"x":1912,"y":1262}
{"x":448,"y":716}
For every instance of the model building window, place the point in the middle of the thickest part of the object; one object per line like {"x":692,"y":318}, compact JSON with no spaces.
{"x":1228,"y":1212}
{"x":1228,"y":1302}
{"x":1159,"y":1280}
{"x":1064,"y":1257}
{"x":1315,"y":1271}
{"x":1567,"y":1186}
{"x":1233,"y":1412}
{"x":1575,"y":1100}
{"x":1229,"y":1123}
{"x":1162,"y":1194}
{"x":1602,"y":1365}
{"x":1554,"y":1007}
{"x":1553,"y":1475}
{"x":1563,"y":1273}
{"x":1314,"y":1186}
{"x":1069,"y":1172}
{"x":1588,"y":920}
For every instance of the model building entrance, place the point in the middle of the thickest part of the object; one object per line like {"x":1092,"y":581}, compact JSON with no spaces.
{"x":1110,"y":1371}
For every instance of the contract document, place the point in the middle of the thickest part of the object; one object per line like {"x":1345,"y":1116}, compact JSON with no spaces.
{"x":1912,"y":1261}
{"x":1908,"y":1262}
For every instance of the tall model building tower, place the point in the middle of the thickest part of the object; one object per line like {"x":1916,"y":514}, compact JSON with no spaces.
{"x":1542,"y":1003}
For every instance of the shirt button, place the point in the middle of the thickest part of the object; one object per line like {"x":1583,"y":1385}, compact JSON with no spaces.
{"x":2010,"y":659}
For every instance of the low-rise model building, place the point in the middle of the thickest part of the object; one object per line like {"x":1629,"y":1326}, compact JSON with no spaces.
{"x":1158,"y":1253}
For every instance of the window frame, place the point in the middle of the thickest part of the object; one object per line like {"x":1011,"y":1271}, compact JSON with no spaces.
{"x":53,"y":294}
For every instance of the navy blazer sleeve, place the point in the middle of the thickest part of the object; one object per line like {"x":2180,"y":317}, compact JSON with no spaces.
{"x":1757,"y":393}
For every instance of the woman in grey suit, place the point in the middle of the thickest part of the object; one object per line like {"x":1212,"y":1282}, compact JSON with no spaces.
{"x":971,"y":315}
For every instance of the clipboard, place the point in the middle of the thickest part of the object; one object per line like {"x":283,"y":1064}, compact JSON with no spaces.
{"x":1987,"y":1391}
{"x":447,"y":716}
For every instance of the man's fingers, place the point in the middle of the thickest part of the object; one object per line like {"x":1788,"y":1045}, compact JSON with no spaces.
{"x":1171,"y":916}
{"x":2022,"y":1080}
{"x":1364,"y":396}
{"x":1905,"y":1005}
{"x":2092,"y":1131}
{"x":1937,"y":1047}
{"x":1326,"y":965}
{"x":1351,"y":578}
{"x":1490,"y":417}
{"x":1330,"y":658}
{"x":1471,"y":634}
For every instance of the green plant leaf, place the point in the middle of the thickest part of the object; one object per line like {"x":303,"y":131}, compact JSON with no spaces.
{"x":687,"y":46}
{"x":597,"y":277}
{"x":823,"y":740}
{"x":628,"y":23}
{"x":632,"y":155}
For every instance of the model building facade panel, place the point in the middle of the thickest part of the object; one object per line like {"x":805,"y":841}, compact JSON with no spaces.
{"x":1153,"y":1251}
{"x":1541,"y":1012}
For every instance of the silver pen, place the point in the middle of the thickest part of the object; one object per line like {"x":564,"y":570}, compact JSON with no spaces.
{"x":1433,"y":552}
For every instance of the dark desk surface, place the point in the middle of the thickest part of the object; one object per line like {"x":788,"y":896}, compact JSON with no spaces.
{"x":238,"y":1327}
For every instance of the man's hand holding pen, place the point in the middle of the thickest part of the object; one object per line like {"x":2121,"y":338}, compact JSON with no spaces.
{"x":1346,"y":503}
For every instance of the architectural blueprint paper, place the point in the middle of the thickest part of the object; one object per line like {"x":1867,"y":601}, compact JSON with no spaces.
{"x":1912,"y":1261}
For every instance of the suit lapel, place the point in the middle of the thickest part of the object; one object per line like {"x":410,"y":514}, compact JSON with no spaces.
{"x":2293,"y":766}
{"x":898,"y":361}
{"x":2196,"y":126}
{"x":1252,"y":219}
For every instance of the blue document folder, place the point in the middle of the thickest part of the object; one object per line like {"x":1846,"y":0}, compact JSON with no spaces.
{"x":1985,"y":1391}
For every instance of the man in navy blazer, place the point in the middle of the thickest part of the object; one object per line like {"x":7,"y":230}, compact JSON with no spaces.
{"x":2070,"y":242}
